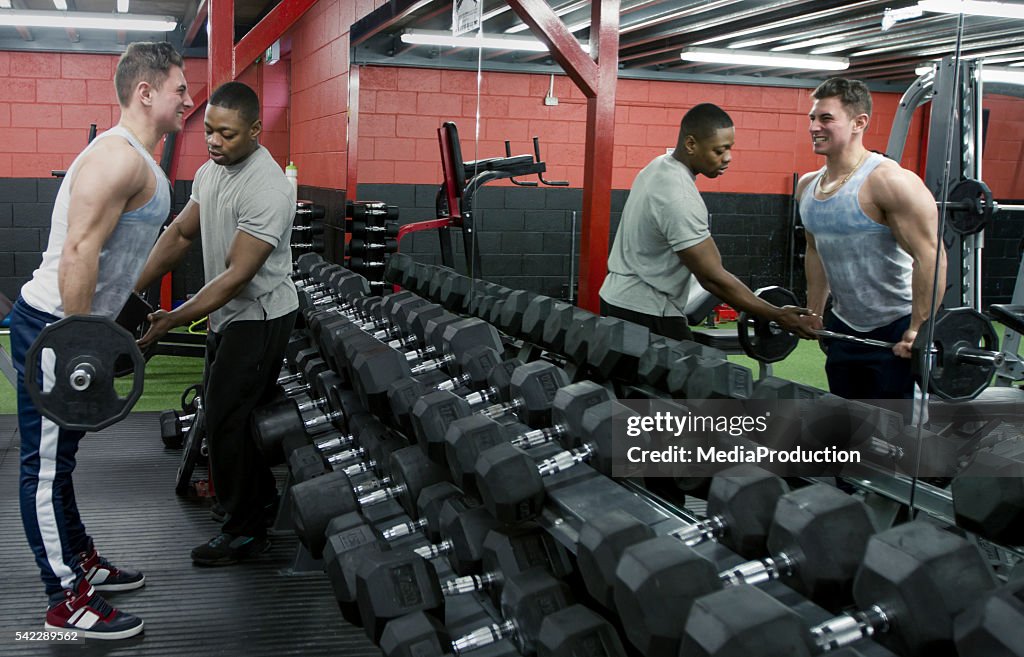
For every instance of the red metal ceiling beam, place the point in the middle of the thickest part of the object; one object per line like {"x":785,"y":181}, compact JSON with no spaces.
{"x":564,"y":47}
{"x":221,"y":42}
{"x":597,"y":78}
{"x":198,"y":21}
{"x":267,"y":31}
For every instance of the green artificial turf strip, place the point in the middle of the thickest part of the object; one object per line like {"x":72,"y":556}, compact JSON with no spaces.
{"x":166,"y":378}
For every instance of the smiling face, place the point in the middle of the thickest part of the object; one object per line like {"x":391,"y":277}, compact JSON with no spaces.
{"x":170,"y":100}
{"x":229,"y":137}
{"x":832,"y":127}
{"x":711,"y":156}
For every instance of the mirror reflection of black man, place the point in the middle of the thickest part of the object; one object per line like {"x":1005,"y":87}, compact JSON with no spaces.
{"x":663,"y":239}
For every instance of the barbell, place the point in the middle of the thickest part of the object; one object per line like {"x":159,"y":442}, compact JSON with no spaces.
{"x":959,"y":362}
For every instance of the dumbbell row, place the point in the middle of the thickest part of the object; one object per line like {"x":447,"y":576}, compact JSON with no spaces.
{"x":607,"y":348}
{"x":653,"y":364}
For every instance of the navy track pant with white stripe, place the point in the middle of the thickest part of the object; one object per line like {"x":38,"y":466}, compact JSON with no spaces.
{"x":49,"y":513}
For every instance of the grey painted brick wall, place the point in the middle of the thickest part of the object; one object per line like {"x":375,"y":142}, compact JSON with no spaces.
{"x":525,"y":235}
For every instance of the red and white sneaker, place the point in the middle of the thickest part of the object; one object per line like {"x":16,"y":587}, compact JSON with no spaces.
{"x":104,"y":576}
{"x":82,"y":610}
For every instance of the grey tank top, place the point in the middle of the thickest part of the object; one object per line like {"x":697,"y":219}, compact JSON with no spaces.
{"x":867,"y":270}
{"x":122,"y":257}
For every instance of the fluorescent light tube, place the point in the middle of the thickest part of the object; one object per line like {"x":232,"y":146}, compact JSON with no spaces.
{"x":1004,"y":75}
{"x":84,"y":20}
{"x":768,"y":59}
{"x":973,"y":7}
{"x":988,"y":74}
{"x":476,"y":40}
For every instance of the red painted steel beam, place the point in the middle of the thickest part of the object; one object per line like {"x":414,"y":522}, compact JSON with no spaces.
{"x":598,"y":80}
{"x":267,"y":31}
{"x":221,"y":39}
{"x":564,"y":47}
{"x":198,"y":21}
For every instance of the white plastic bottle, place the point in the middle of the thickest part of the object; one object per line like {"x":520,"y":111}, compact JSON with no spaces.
{"x":291,"y":172}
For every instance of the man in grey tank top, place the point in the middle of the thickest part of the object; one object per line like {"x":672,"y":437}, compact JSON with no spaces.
{"x":663,"y":241}
{"x":243,"y":207}
{"x":872,"y":243}
{"x":108,"y":212}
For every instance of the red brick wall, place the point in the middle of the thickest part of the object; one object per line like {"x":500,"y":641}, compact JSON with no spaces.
{"x":319,"y":44}
{"x":1004,"y":147}
{"x":400,"y":110}
{"x":49,"y":100}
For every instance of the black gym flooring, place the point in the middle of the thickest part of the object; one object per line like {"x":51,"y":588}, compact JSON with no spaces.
{"x":124,"y":483}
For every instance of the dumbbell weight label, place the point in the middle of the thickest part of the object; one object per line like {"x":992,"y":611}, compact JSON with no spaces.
{"x":85,"y":348}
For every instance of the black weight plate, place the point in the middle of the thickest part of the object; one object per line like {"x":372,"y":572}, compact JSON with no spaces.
{"x":950,"y":378}
{"x":974,"y":218}
{"x":192,"y":450}
{"x":760,"y":338}
{"x":133,"y":318}
{"x":83,"y":343}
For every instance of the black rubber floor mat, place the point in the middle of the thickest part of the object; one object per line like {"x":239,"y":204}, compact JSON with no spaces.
{"x":125,"y":488}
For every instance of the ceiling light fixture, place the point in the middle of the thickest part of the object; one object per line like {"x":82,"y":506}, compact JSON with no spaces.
{"x":84,"y":20}
{"x":61,"y":5}
{"x":988,"y":74}
{"x":765,"y":59}
{"x":122,"y":6}
{"x":477,"y":40}
{"x":973,"y":8}
{"x":1001,"y":75}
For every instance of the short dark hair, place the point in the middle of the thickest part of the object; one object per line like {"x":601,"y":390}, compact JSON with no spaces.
{"x":853,"y":94}
{"x":237,"y":96}
{"x":144,"y":61}
{"x":702,"y":121}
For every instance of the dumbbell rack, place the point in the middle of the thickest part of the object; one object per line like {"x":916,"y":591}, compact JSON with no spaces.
{"x":579,"y":494}
{"x":508,"y":310}
{"x":372,"y":228}
{"x":307,"y":229}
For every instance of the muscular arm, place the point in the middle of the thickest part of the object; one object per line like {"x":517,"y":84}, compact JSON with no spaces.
{"x":172,"y":246}
{"x":910,"y":212}
{"x":245,"y":257}
{"x":106,"y":180}
{"x":817,"y":283}
{"x":705,"y":261}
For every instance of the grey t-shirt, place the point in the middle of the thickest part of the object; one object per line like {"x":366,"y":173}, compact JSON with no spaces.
{"x":664,"y":213}
{"x":255,"y":197}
